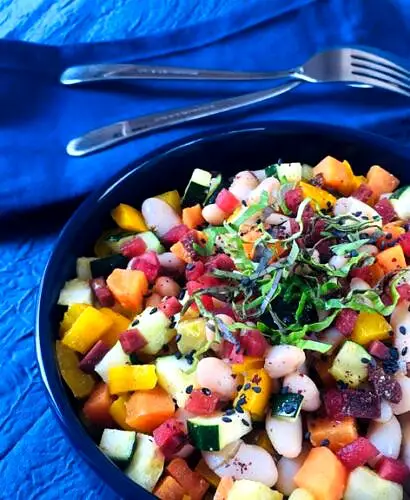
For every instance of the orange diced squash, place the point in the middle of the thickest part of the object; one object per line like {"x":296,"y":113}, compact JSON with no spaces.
{"x":381,"y":181}
{"x":224,"y":487}
{"x":180,"y":251}
{"x":128,"y":287}
{"x":169,"y":489}
{"x":337,"y":175}
{"x":391,"y":259}
{"x":192,"y":483}
{"x":192,"y":216}
{"x":338,"y":432}
{"x":97,"y":407}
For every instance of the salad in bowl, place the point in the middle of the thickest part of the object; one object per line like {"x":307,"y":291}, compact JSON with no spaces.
{"x":249,"y":338}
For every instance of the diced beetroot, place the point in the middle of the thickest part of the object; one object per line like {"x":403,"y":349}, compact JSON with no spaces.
{"x":101,"y":292}
{"x":170,"y":437}
{"x":253,"y":343}
{"x":170,"y":306}
{"x":392,"y":470}
{"x":294,"y":226}
{"x":207,"y":281}
{"x":93,"y":357}
{"x":318,"y":228}
{"x":363,"y":193}
{"x":148,"y":263}
{"x":346,"y":321}
{"x":351,"y":403}
{"x":323,"y":247}
{"x":231,"y":352}
{"x":293,"y":198}
{"x":357,"y":453}
{"x":133,"y":248}
{"x":220,"y":261}
{"x":195,"y":270}
{"x":404,"y":242}
{"x":385,"y":385}
{"x":175,"y":234}
{"x":404,"y":291}
{"x":202,"y":402}
{"x":385,"y":297}
{"x":379,"y":350}
{"x":308,"y":214}
{"x":384,"y":208}
{"x":364,"y":273}
{"x":132,"y":341}
{"x":318,"y":180}
{"x":227,"y":201}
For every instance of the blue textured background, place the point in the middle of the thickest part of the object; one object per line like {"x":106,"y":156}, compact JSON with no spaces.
{"x":37,"y":117}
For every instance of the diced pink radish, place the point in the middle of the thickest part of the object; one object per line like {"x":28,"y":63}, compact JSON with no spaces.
{"x":93,"y":357}
{"x":385,"y":385}
{"x":101,"y":292}
{"x":227,"y":201}
{"x":379,"y":350}
{"x":170,"y":437}
{"x":392,"y":470}
{"x":357,"y":453}
{"x":220,"y":261}
{"x":253,"y":343}
{"x":132,"y":341}
{"x":170,"y":306}
{"x":148,"y":263}
{"x":346,"y":321}
{"x":175,"y":234}
{"x":133,"y":248}
{"x":195,"y":270}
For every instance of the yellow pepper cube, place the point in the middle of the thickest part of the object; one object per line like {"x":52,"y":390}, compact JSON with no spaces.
{"x":80,"y":384}
{"x":129,"y":218}
{"x":118,"y":412}
{"x":172,"y":198}
{"x":70,"y":316}
{"x":89,"y":327}
{"x":256,"y":389}
{"x":318,"y":196}
{"x":249,"y":363}
{"x":369,"y":327}
{"x":119,"y":325}
{"x":130,"y":378}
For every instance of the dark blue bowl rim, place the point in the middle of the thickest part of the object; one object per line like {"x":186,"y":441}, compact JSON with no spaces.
{"x":57,"y":395}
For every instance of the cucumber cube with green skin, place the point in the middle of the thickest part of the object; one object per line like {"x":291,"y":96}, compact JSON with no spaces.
{"x":103,"y":267}
{"x":153,"y":325}
{"x":197,"y":188}
{"x":289,"y":172}
{"x":400,"y":200}
{"x":116,"y":241}
{"x":118,"y":445}
{"x":147,"y":463}
{"x":287,"y":406}
{"x":174,"y":377}
{"x":364,"y":484}
{"x":351,"y":364}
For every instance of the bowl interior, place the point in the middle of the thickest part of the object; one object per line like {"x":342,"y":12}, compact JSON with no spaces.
{"x":229,"y":152}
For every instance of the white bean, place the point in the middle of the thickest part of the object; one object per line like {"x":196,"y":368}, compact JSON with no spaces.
{"x":171,"y":264}
{"x":281,"y":360}
{"x":260,"y":174}
{"x":216,"y":375}
{"x":302,"y":384}
{"x":386,"y":412}
{"x":285,"y":435}
{"x":287,"y":470}
{"x":404,"y":405}
{"x":369,"y":249}
{"x":276,"y":219}
{"x":159,"y":216}
{"x":213,"y":214}
{"x":337,"y":261}
{"x":215,"y":459}
{"x":166,"y":287}
{"x":359,"y":284}
{"x":270,"y":185}
{"x":351,"y":205}
{"x":405,"y":428}
{"x":386,"y":437}
{"x":243,"y":184}
{"x":400,"y":322}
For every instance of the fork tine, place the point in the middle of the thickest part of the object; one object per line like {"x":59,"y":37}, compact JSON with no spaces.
{"x":383,"y":70}
{"x":363,"y":70}
{"x":369,"y":57}
{"x":376,"y":82}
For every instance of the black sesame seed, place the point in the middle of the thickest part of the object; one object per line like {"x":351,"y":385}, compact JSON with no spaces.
{"x":404,"y":351}
{"x":329,"y":204}
{"x":178,"y":337}
{"x":244,"y":203}
{"x":239,"y":409}
{"x":226,"y":419}
{"x":324,"y":442}
{"x":165,"y":347}
{"x":357,"y":214}
{"x":245,"y":422}
{"x":257,"y":389}
{"x":190,"y":266}
{"x":229,"y":411}
{"x":189,"y":389}
{"x":178,"y":355}
{"x":206,"y":391}
{"x":365,"y":360}
{"x":173,"y":324}
{"x":403,"y":330}
{"x":354,"y":253}
{"x":239,"y":387}
{"x":181,"y":294}
{"x":135,"y":322}
{"x":247,"y":386}
{"x":153,"y":310}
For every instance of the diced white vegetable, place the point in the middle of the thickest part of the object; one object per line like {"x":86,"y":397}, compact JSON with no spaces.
{"x":114,"y":357}
{"x":83,"y":268}
{"x":364,"y":484}
{"x":147,"y":463}
{"x":75,"y":292}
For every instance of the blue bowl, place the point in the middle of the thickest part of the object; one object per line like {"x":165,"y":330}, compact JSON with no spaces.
{"x":170,"y":168}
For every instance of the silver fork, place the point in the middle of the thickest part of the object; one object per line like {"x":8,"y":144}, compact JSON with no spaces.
{"x":336,"y":65}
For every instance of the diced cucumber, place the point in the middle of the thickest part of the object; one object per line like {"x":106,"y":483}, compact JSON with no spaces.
{"x":365,"y":484}
{"x":83,"y":268}
{"x":152,"y":242}
{"x":307,"y":172}
{"x":75,"y":292}
{"x":289,"y":172}
{"x":118,"y":445}
{"x":351,"y":364}
{"x":115,"y":240}
{"x":215,"y":187}
{"x":147,"y":463}
{"x":215,"y":432}
{"x":153,"y":325}
{"x":272,"y":170}
{"x":114,"y":357}
{"x":172,"y":377}
{"x":287,"y":405}
{"x":193,"y":336}
{"x":400,"y":200}
{"x":197,"y":188}
{"x":105,"y":266}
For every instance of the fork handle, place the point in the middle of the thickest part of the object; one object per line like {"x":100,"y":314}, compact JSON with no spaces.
{"x":119,"y":132}
{"x":104,"y":72}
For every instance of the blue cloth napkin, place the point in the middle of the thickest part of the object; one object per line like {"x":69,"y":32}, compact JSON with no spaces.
{"x":37,"y":179}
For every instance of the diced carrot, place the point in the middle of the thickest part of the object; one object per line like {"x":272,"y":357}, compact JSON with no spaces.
{"x":336,"y":174}
{"x":97,"y":406}
{"x":179,"y":251}
{"x":192,"y":216}
{"x":169,"y":489}
{"x":338,"y":432}
{"x":208,"y":474}
{"x":192,"y":483}
{"x":224,"y":487}
{"x":128,"y":287}
{"x":251,"y":236}
{"x":381,"y":181}
{"x":119,"y":325}
{"x":147,"y":410}
{"x":278,"y":249}
{"x":322,"y":475}
{"x":391,"y":259}
{"x":393,"y":231}
{"x":249,"y":249}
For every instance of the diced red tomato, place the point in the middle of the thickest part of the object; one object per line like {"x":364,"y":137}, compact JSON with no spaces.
{"x":404,"y":291}
{"x":175,"y":234}
{"x":220,"y":261}
{"x":132,"y":341}
{"x":208,"y":302}
{"x":363,"y":193}
{"x":346,"y":321}
{"x":293,"y":198}
{"x":227,"y":201}
{"x":195,"y":270}
{"x":225,"y":310}
{"x":404,"y":242}
{"x":379,"y":350}
{"x":133,"y":248}
{"x":102,"y":292}
{"x":253,"y":343}
{"x":392,"y":470}
{"x":202,"y":402}
{"x":170,"y":437}
{"x":357,"y":453}
{"x":170,"y":306}
{"x":384,"y":208}
{"x":148,"y":263}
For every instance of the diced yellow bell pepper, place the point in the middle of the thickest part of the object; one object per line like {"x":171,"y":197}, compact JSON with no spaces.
{"x":257,"y":390}
{"x":118,"y":412}
{"x":70,"y":316}
{"x":119,"y":325}
{"x":172,"y":198}
{"x":80,"y":384}
{"x":129,"y":218}
{"x":129,"y":378}
{"x":89,"y":327}
{"x":193,"y":336}
{"x":208,"y":474}
{"x":369,"y":327}
{"x":318,"y":196}
{"x":249,"y":363}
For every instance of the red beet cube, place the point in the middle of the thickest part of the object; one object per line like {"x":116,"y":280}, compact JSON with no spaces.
{"x":346,"y":321}
{"x":170,"y":306}
{"x":404,"y":291}
{"x":195,"y":270}
{"x":202,"y":402}
{"x":385,"y":385}
{"x":175,"y":234}
{"x":352,"y":403}
{"x":170,"y":437}
{"x":392,"y":470}
{"x":132,"y":341}
{"x":227,"y":201}
{"x":220,"y":261}
{"x":384,"y":208}
{"x":379,"y":350}
{"x":404,"y":242}
{"x":308,"y":214}
{"x":133,"y":248}
{"x":93,"y":357}
{"x":253,"y":343}
{"x":101,"y":292}
{"x":363,"y":193}
{"x":148,"y":263}
{"x":293,"y":198}
{"x":294,"y":226}
{"x":357,"y":453}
